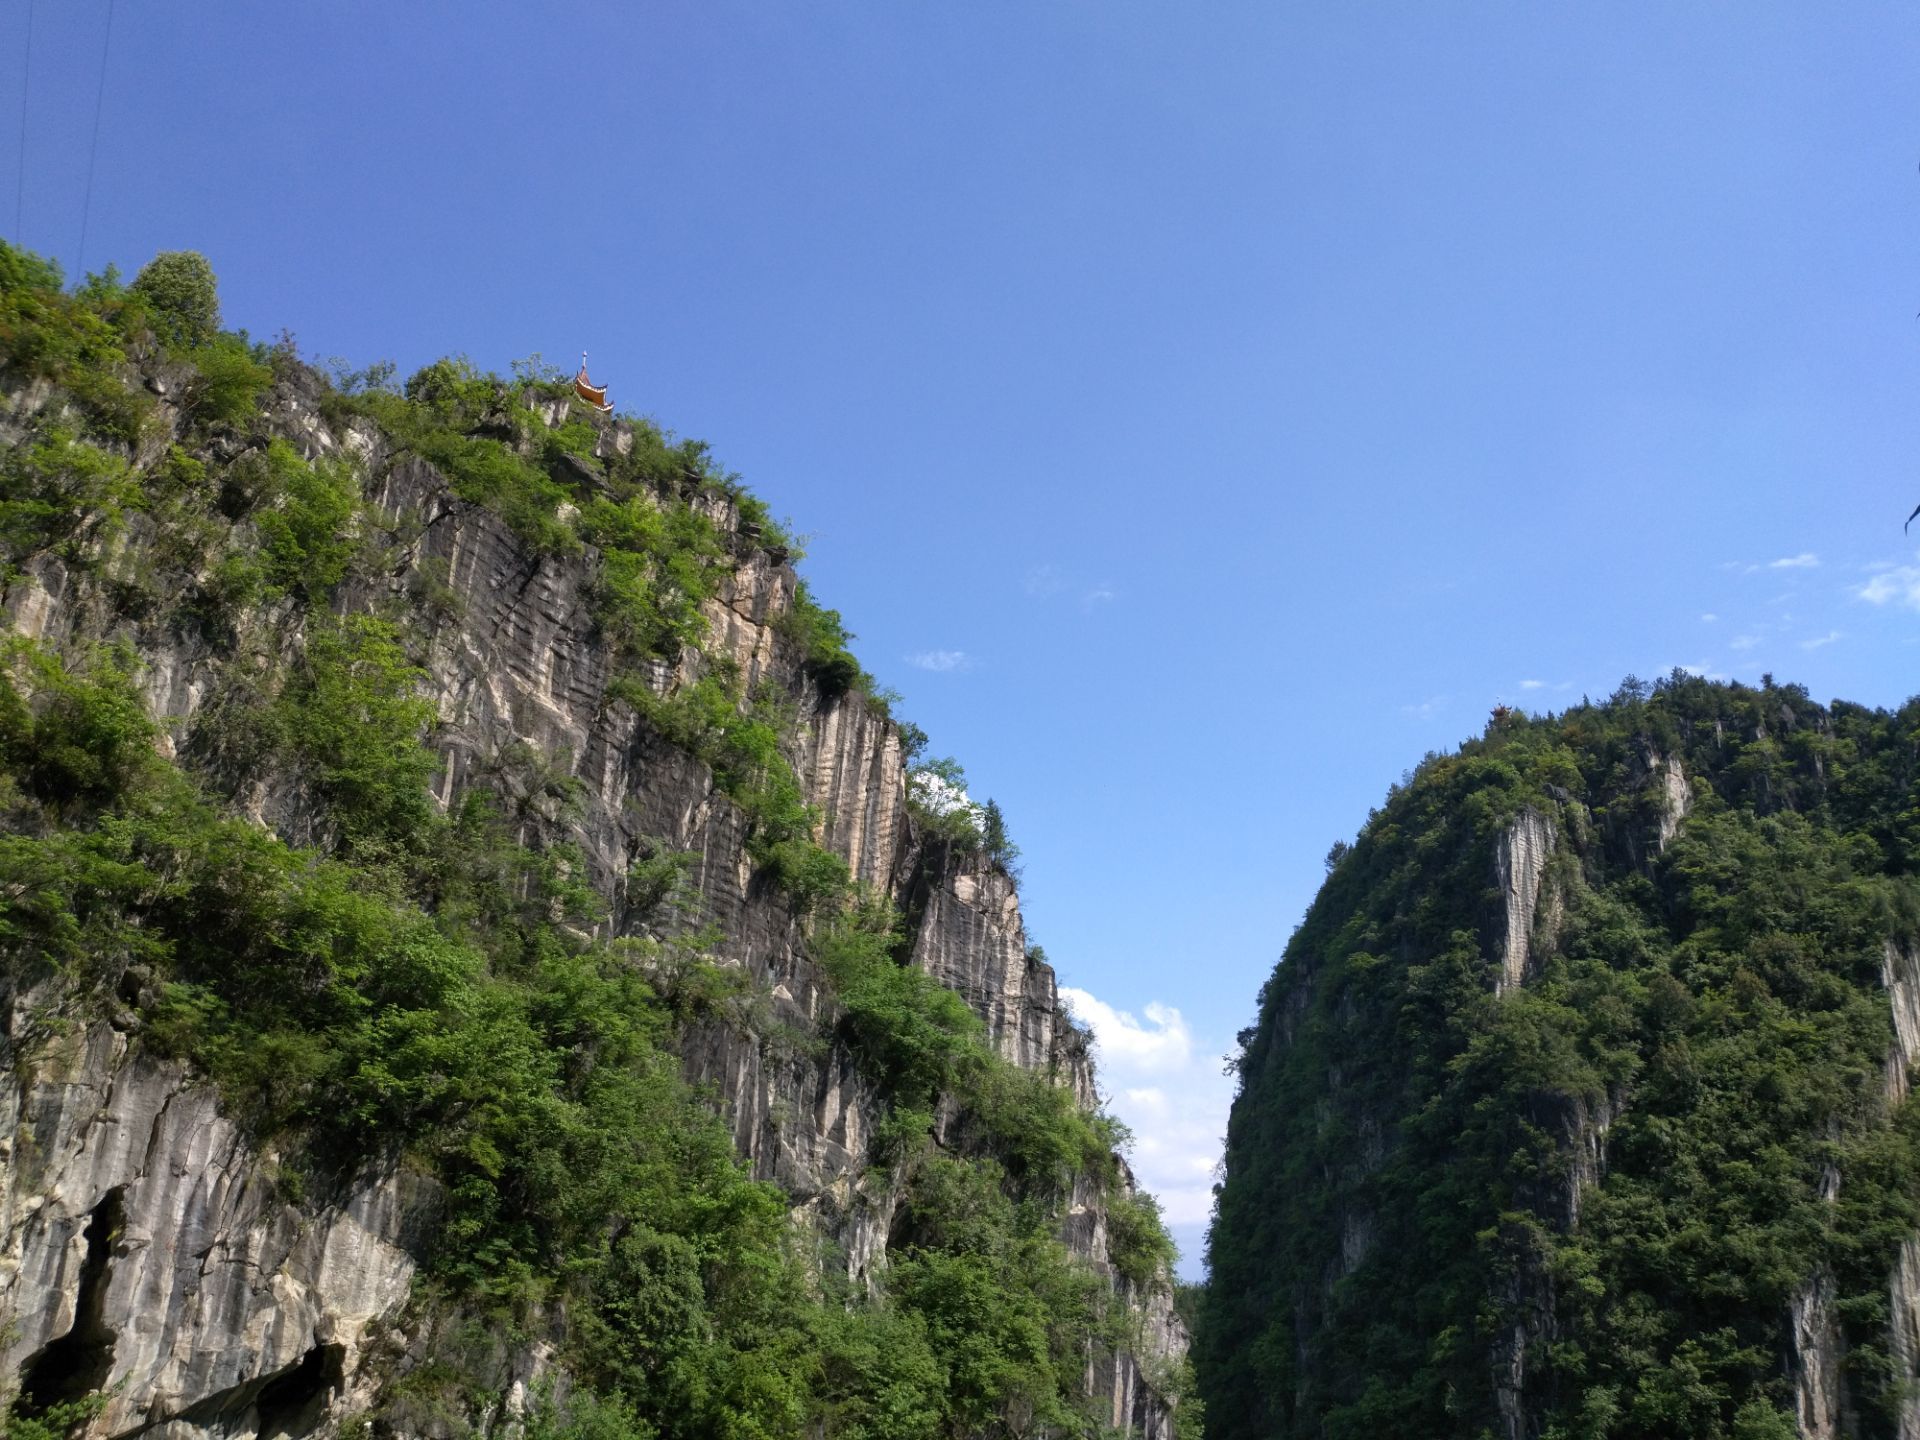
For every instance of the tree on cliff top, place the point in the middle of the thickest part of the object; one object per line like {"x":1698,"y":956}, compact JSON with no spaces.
{"x":179,"y":287}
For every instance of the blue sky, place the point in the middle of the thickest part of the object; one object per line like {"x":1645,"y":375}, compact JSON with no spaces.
{"x":1200,"y":412}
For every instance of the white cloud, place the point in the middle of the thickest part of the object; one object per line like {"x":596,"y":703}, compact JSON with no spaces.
{"x":1174,"y":1096}
{"x":1743,"y":642}
{"x":941,"y":660}
{"x":1708,"y":618}
{"x":1533,"y":684}
{"x":1426,"y":709}
{"x":1818,"y":641}
{"x":1099,"y":595}
{"x":1898,"y":586}
{"x":1163,"y":1043}
{"x":1805,"y":560}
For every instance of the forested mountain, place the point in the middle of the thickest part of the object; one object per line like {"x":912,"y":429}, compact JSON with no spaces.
{"x":478,"y":954}
{"x":1578,"y":1105}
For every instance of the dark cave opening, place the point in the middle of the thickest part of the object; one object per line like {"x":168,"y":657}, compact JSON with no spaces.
{"x":289,"y":1402}
{"x":77,"y":1363}
{"x":292,"y":1403}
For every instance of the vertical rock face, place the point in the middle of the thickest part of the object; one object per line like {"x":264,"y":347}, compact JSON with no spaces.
{"x":1520,"y":864}
{"x":1676,"y":798}
{"x":971,"y":940}
{"x":1903,"y":1334}
{"x":149,"y":1253}
{"x":1816,"y":1360}
{"x":1900,"y":973}
{"x":137,"y":1221}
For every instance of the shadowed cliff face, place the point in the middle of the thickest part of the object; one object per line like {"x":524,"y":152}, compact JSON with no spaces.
{"x":150,"y":1253}
{"x":1579,"y":1103}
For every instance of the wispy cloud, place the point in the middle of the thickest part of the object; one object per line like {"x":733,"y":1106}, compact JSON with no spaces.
{"x":1898,"y":586}
{"x":1743,"y":642}
{"x":1173,"y":1094}
{"x":1819,"y":640}
{"x":940,"y":661}
{"x":1045,"y":581}
{"x":1805,"y":560}
{"x":1708,"y":618}
{"x":1426,"y":709}
{"x":1533,"y":684}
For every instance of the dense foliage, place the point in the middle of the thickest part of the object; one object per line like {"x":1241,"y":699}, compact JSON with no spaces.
{"x":1590,"y":1204}
{"x":376,"y":977}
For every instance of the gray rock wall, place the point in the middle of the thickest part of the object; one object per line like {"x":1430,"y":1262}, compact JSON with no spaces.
{"x":147,"y":1250}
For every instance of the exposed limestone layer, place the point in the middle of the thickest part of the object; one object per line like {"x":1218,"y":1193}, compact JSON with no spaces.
{"x":1816,"y":1360}
{"x":1903,"y":1325}
{"x":970,"y":939}
{"x":1900,"y":973}
{"x":1520,"y":864}
{"x":221,"y":1288}
{"x":1676,"y":797}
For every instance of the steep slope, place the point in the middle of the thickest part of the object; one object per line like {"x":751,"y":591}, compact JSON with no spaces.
{"x":1578,"y":1105}
{"x":472,"y":951}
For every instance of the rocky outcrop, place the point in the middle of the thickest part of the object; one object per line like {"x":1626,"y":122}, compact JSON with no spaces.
{"x":1520,"y":864}
{"x":1903,"y":1336}
{"x":1816,"y":1359}
{"x":150,"y":1254}
{"x":1900,"y":973}
{"x":1676,"y":798}
{"x":971,"y":940}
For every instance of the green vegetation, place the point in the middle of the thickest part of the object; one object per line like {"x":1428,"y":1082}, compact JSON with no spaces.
{"x":823,"y":639}
{"x":62,"y":495}
{"x":379,"y":977}
{"x":1406,"y":1190}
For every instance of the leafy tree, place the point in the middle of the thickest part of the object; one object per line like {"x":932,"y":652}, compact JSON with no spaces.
{"x":181,"y":294}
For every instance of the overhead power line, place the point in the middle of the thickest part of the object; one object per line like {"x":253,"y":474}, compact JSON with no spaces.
{"x":93,"y":153}
{"x":20,"y":182}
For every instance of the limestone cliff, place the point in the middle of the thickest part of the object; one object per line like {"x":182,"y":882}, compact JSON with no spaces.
{"x":149,"y":1249}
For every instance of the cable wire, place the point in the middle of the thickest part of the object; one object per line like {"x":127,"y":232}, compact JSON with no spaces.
{"x":99,"y":103}
{"x":20,"y":184}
